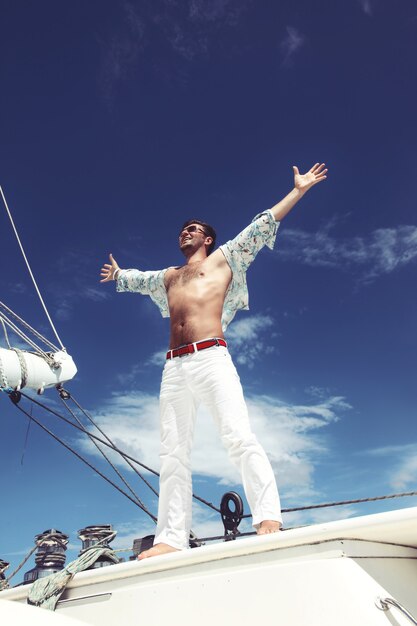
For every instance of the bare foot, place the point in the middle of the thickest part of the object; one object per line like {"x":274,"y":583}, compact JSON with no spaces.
{"x":268,"y":526}
{"x":156,"y":550}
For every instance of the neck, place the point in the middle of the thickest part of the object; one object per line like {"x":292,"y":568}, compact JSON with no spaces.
{"x":195,"y":257}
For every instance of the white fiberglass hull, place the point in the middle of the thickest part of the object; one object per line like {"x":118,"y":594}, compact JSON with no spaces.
{"x":324,"y":575}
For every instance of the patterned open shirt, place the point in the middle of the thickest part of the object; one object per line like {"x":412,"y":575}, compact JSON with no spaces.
{"x":239,"y":254}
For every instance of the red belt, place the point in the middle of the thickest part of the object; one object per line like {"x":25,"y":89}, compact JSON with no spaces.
{"x":189,"y":348}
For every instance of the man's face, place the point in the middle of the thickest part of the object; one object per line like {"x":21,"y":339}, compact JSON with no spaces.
{"x":192,"y":237}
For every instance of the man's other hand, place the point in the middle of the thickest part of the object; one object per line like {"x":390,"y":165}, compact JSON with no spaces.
{"x":108,"y":270}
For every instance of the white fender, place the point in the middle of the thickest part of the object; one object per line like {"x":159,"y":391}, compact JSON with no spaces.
{"x":35,"y":372}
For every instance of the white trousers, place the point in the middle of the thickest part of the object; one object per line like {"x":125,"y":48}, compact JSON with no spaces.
{"x":209,"y":377}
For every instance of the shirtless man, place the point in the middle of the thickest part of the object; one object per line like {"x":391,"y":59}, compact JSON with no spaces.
{"x":201,"y":298}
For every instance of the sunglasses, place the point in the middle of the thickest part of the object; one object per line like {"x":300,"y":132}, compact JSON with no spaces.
{"x":192,"y":229}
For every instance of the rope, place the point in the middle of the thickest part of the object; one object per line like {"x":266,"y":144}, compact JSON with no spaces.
{"x":202,"y":500}
{"x":23,"y":368}
{"x":45,"y":592}
{"x":30,"y":328}
{"x":319,"y":506}
{"x":3,"y":582}
{"x":345,"y":502}
{"x":86,"y":432}
{"x":107,"y":539}
{"x":30,"y":271}
{"x":357,"y":501}
{"x":112,"y":446}
{"x":4,"y":385}
{"x":6,"y":337}
{"x":122,"y":478}
{"x":128,"y":459}
{"x":19,"y":567}
{"x":88,"y":416}
{"x":26,"y":437}
{"x":75,"y":453}
{"x":27,"y":557}
{"x":23,"y":336}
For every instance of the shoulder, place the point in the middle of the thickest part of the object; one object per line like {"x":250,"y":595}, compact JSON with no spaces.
{"x":169,"y":273}
{"x":216,"y":258}
{"x":171,"y":270}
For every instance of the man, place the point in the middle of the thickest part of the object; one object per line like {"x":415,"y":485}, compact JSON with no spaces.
{"x":201,"y":298}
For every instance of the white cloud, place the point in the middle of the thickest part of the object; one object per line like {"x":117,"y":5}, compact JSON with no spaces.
{"x":76,"y":278}
{"x":367,"y":6}
{"x":226,"y":11}
{"x":317,"y":392}
{"x":292,"y":436}
{"x":291,"y":43}
{"x":131,"y":421}
{"x":405,"y":474}
{"x":67,"y":299}
{"x":18,"y":288}
{"x":189,"y":28}
{"x":131,"y":377}
{"x":250,"y":338}
{"x":91,"y":293}
{"x":393,"y":450}
{"x":121,"y":51}
{"x":127,"y":379}
{"x":400,"y":462}
{"x":63,"y":311}
{"x":381,"y":252}
{"x":158,"y":358}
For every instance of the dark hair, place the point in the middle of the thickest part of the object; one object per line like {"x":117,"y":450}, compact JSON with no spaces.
{"x":209,"y":230}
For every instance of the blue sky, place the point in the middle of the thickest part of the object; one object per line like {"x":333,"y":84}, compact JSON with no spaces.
{"x":119,"y":120}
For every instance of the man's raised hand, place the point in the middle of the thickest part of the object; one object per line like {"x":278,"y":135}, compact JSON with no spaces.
{"x":108,"y":270}
{"x":315,"y":175}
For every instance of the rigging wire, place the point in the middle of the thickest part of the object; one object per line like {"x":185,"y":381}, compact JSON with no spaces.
{"x":29,"y":328}
{"x":88,"y":416}
{"x":68,"y":447}
{"x":405,"y":494}
{"x":122,"y":478}
{"x":24,"y":337}
{"x":86,"y":432}
{"x":143,"y":507}
{"x":112,"y":446}
{"x":27,"y":436}
{"x":202,"y":500}
{"x":6,"y":337}
{"x":30,"y":271}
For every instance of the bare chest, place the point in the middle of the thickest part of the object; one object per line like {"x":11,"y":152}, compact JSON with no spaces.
{"x":182,"y":276}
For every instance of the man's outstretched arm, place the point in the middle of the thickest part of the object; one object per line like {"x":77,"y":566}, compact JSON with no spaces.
{"x":302,"y":183}
{"x":150,"y":283}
